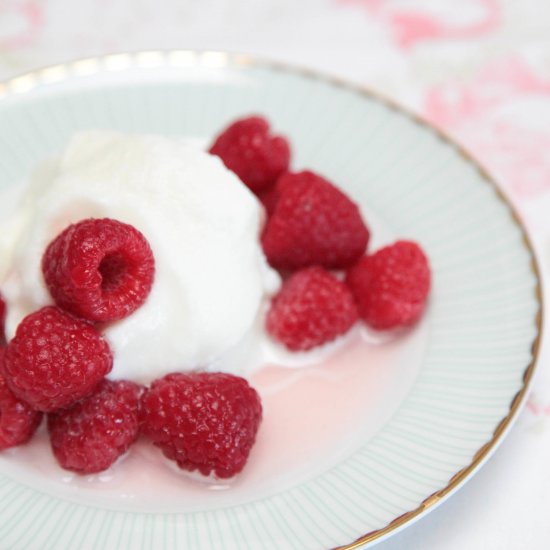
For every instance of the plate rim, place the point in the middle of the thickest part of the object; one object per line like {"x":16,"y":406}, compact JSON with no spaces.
{"x":86,"y":67}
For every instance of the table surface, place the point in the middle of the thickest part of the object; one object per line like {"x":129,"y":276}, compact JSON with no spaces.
{"x":479,"y":69}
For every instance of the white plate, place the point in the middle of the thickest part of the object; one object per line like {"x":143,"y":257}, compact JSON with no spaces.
{"x":414,"y":418}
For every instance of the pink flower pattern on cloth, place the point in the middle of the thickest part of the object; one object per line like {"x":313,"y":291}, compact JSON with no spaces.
{"x":413,"y":24}
{"x":20,"y":23}
{"x":492,"y":114}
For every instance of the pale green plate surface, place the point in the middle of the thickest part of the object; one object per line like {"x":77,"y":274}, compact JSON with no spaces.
{"x":481,"y":331}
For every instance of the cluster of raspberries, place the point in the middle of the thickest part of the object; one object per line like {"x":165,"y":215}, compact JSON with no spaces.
{"x":317,"y":239}
{"x":98,"y":271}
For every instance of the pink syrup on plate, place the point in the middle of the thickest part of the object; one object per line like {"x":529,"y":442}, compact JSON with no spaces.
{"x":314,"y":417}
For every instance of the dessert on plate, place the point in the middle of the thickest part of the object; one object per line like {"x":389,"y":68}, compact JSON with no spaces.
{"x":144,"y":279}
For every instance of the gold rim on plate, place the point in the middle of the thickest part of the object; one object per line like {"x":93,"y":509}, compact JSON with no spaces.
{"x":218,"y":60}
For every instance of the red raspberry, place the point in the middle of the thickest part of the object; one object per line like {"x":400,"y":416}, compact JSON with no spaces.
{"x":55,"y":359}
{"x":313,"y":223}
{"x":94,"y":432}
{"x":101,"y":270}
{"x":247,"y":148}
{"x":269,"y":199}
{"x":18,"y":421}
{"x":312,"y":308}
{"x":2,"y":321}
{"x":391,"y":286}
{"x":203,"y":421}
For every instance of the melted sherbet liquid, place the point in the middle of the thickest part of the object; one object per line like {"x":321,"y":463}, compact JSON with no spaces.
{"x":314,"y":416}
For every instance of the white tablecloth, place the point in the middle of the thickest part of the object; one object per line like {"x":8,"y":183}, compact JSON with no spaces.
{"x":480,"y":69}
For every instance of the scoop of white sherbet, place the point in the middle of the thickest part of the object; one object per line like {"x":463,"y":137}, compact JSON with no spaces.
{"x":202,"y":223}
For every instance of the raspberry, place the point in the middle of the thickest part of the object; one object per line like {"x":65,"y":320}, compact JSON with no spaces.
{"x":247,"y":148}
{"x":203,"y":421}
{"x":312,"y":308}
{"x":269,"y":199}
{"x":101,"y":270}
{"x":18,"y":421}
{"x":313,"y":223}
{"x":94,"y":432}
{"x":55,"y":359}
{"x":391,"y":286}
{"x":2,"y":321}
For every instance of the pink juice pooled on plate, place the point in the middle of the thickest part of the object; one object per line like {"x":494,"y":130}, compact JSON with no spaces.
{"x":169,"y":260}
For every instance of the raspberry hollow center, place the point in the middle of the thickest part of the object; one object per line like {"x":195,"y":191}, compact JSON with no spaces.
{"x":113,"y":269}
